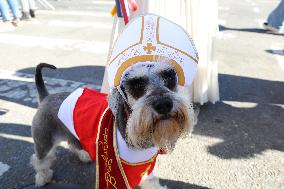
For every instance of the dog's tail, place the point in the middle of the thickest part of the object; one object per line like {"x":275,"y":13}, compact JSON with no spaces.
{"x":41,"y":89}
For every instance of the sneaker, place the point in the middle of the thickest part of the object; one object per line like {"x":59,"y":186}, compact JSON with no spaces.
{"x":17,"y":22}
{"x":25,"y":16}
{"x":32,"y":13}
{"x":6,"y":26}
{"x":270,"y":28}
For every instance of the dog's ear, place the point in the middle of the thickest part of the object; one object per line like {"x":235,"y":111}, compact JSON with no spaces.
{"x":119,"y":108}
{"x":115,"y":101}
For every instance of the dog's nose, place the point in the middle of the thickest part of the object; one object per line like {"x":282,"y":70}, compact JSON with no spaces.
{"x":163,"y":105}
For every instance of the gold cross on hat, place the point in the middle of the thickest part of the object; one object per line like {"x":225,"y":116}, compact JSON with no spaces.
{"x":149,"y":48}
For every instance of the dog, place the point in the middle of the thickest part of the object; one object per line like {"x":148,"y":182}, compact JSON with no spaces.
{"x":148,"y":109}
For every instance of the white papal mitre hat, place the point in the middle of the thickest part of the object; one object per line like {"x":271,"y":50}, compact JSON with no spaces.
{"x":149,"y":39}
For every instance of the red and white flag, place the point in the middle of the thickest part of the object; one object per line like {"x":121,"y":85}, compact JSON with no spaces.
{"x":126,"y":6}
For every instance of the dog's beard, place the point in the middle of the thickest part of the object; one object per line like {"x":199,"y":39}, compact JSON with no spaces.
{"x":166,"y":134}
{"x":146,"y":129}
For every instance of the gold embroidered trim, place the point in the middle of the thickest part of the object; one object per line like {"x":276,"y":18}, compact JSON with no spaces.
{"x":97,"y":144}
{"x":118,"y":158}
{"x":140,"y":163}
{"x":151,"y":58}
{"x":145,"y":172}
{"x":142,"y":30}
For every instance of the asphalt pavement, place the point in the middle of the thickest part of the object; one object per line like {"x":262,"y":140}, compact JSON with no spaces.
{"x":238,"y":142}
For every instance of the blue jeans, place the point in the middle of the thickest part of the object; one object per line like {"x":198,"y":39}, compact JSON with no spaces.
{"x":5,"y":12}
{"x":276,"y":17}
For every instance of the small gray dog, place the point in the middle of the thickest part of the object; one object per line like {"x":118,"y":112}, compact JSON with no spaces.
{"x":158,"y":115}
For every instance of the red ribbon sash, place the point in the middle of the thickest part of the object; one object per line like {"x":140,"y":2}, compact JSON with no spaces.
{"x":110,"y":174}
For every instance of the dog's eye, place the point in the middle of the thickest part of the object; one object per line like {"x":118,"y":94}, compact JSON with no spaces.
{"x":170,"y":78}
{"x":136,"y":86}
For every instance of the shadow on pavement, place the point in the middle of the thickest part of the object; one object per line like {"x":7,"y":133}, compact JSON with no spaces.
{"x":169,"y":183}
{"x":244,"y":89}
{"x":253,"y":30}
{"x":3,"y":111}
{"x":180,"y":185}
{"x":17,"y":150}
{"x":23,"y":90}
{"x":245,"y":132}
{"x":15,"y":129}
{"x":25,"y":93}
{"x":249,"y":119}
{"x":86,"y":74}
{"x":58,"y":186}
{"x":277,"y":52}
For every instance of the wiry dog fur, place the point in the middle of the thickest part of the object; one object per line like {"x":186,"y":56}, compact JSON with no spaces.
{"x":149,"y":111}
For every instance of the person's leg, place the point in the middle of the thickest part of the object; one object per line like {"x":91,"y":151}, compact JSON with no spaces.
{"x":5,"y":25}
{"x":25,"y":5}
{"x":32,"y":8}
{"x":4,"y":9}
{"x":26,"y":10}
{"x":15,"y":8}
{"x":16,"y":12}
{"x":276,"y":17}
{"x":32,"y":4}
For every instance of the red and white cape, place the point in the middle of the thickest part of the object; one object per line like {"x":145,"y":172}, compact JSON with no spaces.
{"x":86,"y":114}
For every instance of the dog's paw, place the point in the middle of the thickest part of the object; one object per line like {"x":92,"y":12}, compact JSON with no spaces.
{"x":43,"y":177}
{"x":84,"y":156}
{"x":152,"y":183}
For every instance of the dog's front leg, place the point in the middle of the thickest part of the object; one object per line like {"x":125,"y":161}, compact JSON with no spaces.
{"x":152,"y":182}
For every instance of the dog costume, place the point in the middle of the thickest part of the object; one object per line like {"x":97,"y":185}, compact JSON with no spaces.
{"x":85,"y":112}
